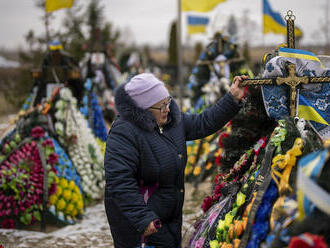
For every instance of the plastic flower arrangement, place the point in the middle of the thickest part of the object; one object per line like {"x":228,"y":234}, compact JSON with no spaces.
{"x":200,"y":154}
{"x":64,"y":167}
{"x":93,"y":112}
{"x":67,"y":202}
{"x":81,"y":144}
{"x":232,"y":226}
{"x":227,"y":223}
{"x":22,"y":173}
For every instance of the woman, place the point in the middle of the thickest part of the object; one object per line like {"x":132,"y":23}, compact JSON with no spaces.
{"x":145,"y":159}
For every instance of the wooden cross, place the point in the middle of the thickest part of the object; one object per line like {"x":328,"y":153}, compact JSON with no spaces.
{"x":292,"y":80}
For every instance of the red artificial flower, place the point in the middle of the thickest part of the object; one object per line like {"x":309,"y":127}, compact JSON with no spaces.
{"x":218,"y":188}
{"x":307,"y":240}
{"x":48,"y":142}
{"x":207,"y":203}
{"x":216,"y":179}
{"x":218,"y":160}
{"x":8,"y":224}
{"x":37,"y":132}
{"x":221,"y":137}
{"x":52,"y":159}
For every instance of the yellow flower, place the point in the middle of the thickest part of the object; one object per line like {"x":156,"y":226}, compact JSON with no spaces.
{"x":60,"y":204}
{"x":52,"y":199}
{"x":221,"y":225}
{"x":191,"y":159}
{"x":63,"y":182}
{"x":80,"y":204}
{"x":208,"y":165}
{"x":71,"y":185}
{"x":77,"y":190}
{"x":189,"y":149}
{"x":58,"y":191}
{"x":214,"y":244}
{"x":74,"y":197}
{"x":228,"y":219}
{"x":206,"y":147}
{"x":57,"y":180}
{"x":74,"y":212}
{"x":187,"y":170}
{"x":240,"y":199}
{"x":69,"y":208}
{"x":197,"y":170}
{"x":67,"y":194}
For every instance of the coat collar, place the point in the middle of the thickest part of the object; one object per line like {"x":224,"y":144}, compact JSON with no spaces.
{"x":143,"y":118}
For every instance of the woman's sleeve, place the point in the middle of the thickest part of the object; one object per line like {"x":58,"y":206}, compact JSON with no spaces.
{"x":198,"y":126}
{"x":120,"y":163}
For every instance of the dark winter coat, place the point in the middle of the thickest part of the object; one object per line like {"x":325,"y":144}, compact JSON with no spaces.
{"x":139,"y":153}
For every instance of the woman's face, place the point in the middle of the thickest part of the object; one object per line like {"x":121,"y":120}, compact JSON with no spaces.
{"x":160,"y":110}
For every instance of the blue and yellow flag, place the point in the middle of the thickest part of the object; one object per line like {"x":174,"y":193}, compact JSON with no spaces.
{"x":309,"y":112}
{"x":52,"y":5}
{"x":298,"y":54}
{"x":273,"y":21}
{"x":200,"y":5}
{"x":309,"y":193}
{"x":197,"y":24}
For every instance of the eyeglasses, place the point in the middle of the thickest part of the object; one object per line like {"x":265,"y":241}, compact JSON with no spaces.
{"x":165,"y":106}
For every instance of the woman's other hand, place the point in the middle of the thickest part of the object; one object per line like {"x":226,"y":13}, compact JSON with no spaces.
{"x":150,"y":229}
{"x":236,"y":89}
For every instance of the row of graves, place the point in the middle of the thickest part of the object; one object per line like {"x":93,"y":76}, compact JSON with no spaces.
{"x":51,"y":159}
{"x":209,"y":81}
{"x":272,"y":186}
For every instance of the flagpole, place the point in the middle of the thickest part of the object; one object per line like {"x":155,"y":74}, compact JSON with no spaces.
{"x":47,"y":27}
{"x":263,"y":24}
{"x":179,"y":54}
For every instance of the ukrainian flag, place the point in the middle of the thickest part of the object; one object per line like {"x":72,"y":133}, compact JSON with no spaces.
{"x":273,"y":21}
{"x":307,"y":111}
{"x":52,"y":5}
{"x":200,"y":5}
{"x":197,"y":24}
{"x":298,"y":54}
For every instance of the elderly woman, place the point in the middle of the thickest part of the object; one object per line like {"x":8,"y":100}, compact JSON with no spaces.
{"x":146,"y":156}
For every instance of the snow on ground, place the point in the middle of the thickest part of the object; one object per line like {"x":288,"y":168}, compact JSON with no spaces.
{"x":92,"y":231}
{"x":8,"y":63}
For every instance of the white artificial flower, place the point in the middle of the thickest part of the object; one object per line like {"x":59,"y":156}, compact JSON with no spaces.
{"x":60,"y":105}
{"x":65,"y":94}
{"x":59,"y":128}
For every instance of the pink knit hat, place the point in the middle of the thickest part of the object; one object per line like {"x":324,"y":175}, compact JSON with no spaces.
{"x":146,"y":90}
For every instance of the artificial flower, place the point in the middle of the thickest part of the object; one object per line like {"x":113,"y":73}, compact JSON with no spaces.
{"x":63,"y":183}
{"x":221,"y":225}
{"x":197,"y":170}
{"x":52,"y":159}
{"x":67,"y":194}
{"x":214,"y":244}
{"x":207,"y":203}
{"x":60,"y":204}
{"x":308,"y":240}
{"x":228,"y":219}
{"x":8,"y":224}
{"x":240,"y":199}
{"x":52,"y":199}
{"x":37,"y":132}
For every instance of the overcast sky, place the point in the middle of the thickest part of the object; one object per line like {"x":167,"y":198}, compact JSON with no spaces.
{"x":148,"y":21}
